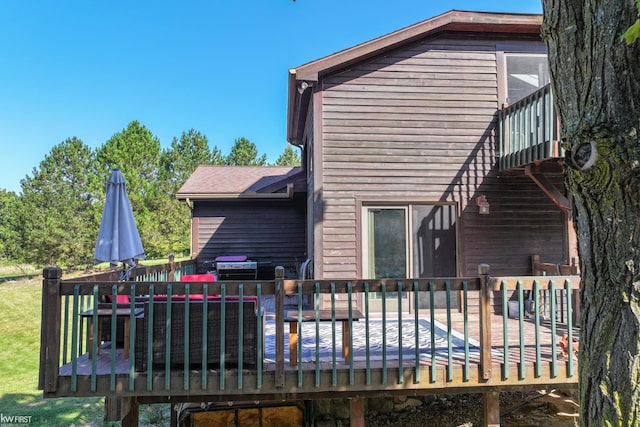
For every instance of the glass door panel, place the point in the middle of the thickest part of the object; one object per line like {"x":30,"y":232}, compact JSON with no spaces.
{"x":387,"y":243}
{"x":434,"y":240}
{"x":386,"y":252}
{"x":434,"y":249}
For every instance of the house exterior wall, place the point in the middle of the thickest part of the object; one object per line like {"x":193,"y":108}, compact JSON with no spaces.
{"x":271,"y":232}
{"x":417,"y":125}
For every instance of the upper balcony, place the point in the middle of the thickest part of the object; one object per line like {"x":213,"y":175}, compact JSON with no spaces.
{"x":528,"y":131}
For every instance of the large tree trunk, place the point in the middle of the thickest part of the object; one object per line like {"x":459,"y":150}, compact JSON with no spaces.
{"x":596,"y":79}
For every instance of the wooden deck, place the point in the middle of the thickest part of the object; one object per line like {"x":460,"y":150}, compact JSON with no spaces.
{"x":462,"y":361}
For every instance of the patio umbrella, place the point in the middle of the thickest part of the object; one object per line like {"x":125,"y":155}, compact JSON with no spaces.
{"x":118,"y":237}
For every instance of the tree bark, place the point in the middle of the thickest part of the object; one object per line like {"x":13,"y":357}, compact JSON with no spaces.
{"x":596,"y":81}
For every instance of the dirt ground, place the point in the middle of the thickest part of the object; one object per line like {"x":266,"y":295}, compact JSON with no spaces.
{"x":517,"y":409}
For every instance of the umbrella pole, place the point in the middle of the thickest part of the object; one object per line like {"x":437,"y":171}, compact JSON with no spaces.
{"x":125,"y":276}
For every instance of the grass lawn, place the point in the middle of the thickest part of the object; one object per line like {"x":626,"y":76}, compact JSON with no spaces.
{"x":19,"y":359}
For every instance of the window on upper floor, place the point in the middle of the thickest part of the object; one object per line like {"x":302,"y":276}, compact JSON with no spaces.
{"x":525,"y":74}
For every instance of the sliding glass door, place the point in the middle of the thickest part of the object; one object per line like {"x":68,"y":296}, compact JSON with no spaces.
{"x":415,"y":240}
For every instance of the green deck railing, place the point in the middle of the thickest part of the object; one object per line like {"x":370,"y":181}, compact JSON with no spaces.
{"x":521,"y":345}
{"x":528,"y":130}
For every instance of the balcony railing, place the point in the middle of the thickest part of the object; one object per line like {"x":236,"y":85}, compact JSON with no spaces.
{"x":528,"y":131}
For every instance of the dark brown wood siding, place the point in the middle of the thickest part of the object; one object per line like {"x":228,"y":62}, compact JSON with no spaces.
{"x":270,"y":232}
{"x":523,"y":222}
{"x":418,"y":124}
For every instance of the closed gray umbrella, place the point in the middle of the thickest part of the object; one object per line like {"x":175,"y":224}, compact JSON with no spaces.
{"x":118,"y":237}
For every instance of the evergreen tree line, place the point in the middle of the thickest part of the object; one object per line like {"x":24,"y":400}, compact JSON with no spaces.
{"x":56,"y":217}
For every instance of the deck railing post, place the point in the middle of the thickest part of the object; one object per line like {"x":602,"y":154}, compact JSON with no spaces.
{"x":172,"y":268}
{"x":50,"y":329}
{"x":485,"y":321}
{"x":279,"y":307}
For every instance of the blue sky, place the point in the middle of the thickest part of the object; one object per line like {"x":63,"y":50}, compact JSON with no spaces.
{"x":86,"y":69}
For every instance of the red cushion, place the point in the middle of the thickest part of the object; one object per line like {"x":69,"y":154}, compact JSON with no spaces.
{"x":195,"y":278}
{"x":198,"y":278}
{"x":120,"y":299}
{"x":200,"y":297}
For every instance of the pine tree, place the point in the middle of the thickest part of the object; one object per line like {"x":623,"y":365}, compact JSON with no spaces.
{"x":59,"y":207}
{"x":245,"y":153}
{"x":289,"y":157}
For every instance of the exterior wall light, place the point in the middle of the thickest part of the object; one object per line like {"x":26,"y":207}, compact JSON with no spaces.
{"x":303,"y":86}
{"x":483,"y":205}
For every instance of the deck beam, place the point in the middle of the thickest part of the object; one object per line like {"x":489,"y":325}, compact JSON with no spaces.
{"x":548,"y":188}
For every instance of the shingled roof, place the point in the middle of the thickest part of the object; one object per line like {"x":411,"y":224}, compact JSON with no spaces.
{"x":228,"y":182}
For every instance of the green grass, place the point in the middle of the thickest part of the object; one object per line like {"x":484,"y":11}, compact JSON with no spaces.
{"x":14,"y":271}
{"x":143,"y":262}
{"x":19,"y":359}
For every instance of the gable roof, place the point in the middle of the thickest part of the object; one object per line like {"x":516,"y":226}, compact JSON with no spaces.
{"x":235,"y":182}
{"x":303,"y":77}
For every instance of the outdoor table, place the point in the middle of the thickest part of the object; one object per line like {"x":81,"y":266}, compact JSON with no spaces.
{"x":342,"y":315}
{"x":124,"y":312}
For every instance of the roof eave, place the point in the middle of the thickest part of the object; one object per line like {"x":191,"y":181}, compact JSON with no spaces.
{"x":299,"y":94}
{"x":236,"y":196}
{"x":291,"y":106}
{"x":455,"y":20}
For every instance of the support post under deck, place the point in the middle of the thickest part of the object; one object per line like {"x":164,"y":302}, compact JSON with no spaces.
{"x":357,"y":412}
{"x":491,"y":411}
{"x":122,"y":408}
